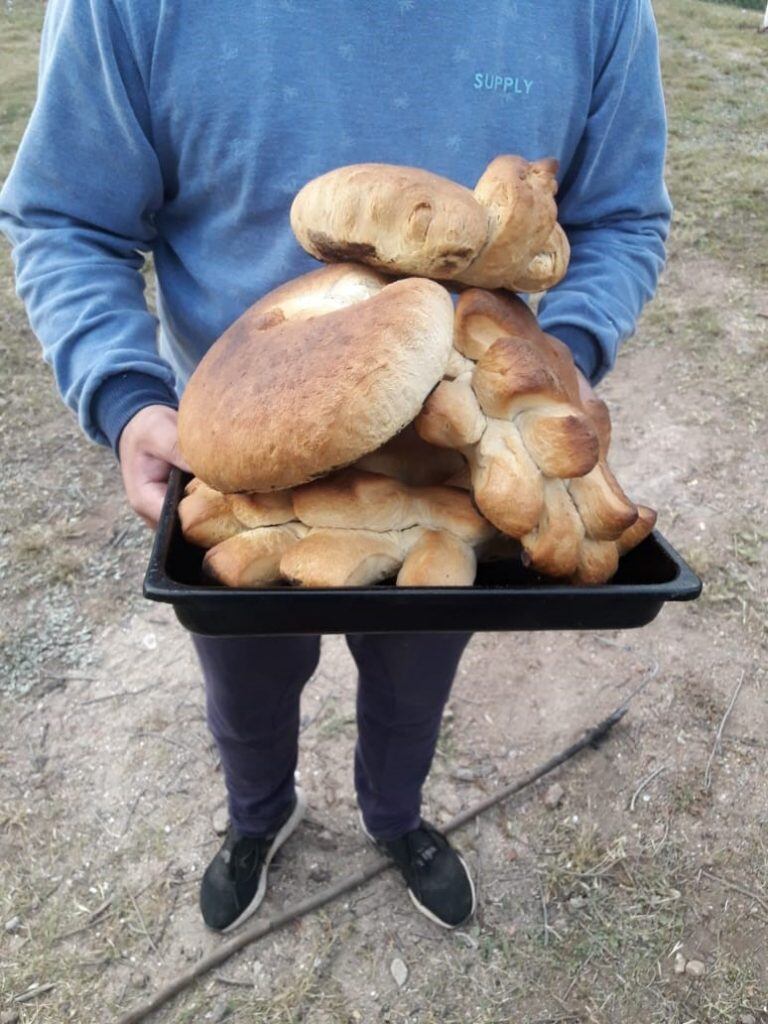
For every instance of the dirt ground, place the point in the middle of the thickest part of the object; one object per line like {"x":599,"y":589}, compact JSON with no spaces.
{"x":641,"y":897}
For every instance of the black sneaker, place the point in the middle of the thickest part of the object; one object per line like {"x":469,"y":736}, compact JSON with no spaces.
{"x":235,"y":882}
{"x":438,"y":879}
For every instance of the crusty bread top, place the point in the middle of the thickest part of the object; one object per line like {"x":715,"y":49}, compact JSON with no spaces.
{"x":519,"y":199}
{"x":282,"y":398}
{"x":406,"y":220}
{"x":401,"y":219}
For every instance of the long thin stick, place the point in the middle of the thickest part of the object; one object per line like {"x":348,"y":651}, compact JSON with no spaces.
{"x":592,"y":737}
{"x":719,"y":733}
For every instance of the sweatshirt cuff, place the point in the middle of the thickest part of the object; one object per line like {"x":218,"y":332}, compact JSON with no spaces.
{"x":584,"y":347}
{"x":119,"y":398}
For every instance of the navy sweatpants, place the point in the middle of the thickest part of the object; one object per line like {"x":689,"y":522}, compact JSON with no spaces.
{"x":253,"y":690}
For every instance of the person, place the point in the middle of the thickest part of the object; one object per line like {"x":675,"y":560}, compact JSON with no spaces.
{"x":185,"y":130}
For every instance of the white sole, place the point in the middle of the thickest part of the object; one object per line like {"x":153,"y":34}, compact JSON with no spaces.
{"x":420,"y":906}
{"x":288,"y":826}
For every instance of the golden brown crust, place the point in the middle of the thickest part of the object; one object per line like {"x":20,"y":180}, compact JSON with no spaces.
{"x":206,"y":516}
{"x":272,"y":407}
{"x":405,"y":220}
{"x":357,"y":500}
{"x":350,"y":529}
{"x":548,"y":266}
{"x":539,"y":471}
{"x":252,"y":558}
{"x":605,"y":509}
{"x":452,"y":417}
{"x":508,"y":487}
{"x":410,"y":459}
{"x":438,"y":559}
{"x":345,"y":558}
{"x":554,"y":545}
{"x":598,"y":563}
{"x":640,"y":529}
{"x":519,"y":199}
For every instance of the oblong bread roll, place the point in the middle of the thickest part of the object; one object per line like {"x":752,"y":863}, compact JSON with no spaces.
{"x":554,"y":545}
{"x":438,"y":559}
{"x":270,"y":509}
{"x":345,"y":558}
{"x":275,"y":403}
{"x":604,"y":507}
{"x":252,"y":558}
{"x":641,"y":528}
{"x":403,"y":220}
{"x":357,"y":500}
{"x":508,"y":487}
{"x":206,"y":516}
{"x":598,"y":562}
{"x":451,"y":417}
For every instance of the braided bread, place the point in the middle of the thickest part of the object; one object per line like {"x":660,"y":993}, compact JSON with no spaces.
{"x":404,"y":220}
{"x":536,"y":440}
{"x":352,"y":528}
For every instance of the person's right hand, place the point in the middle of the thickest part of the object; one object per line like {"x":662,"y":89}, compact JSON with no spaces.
{"x":148,"y":448}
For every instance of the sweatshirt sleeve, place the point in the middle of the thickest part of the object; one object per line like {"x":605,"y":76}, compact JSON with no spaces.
{"x":78,"y":208}
{"x":613,"y":203}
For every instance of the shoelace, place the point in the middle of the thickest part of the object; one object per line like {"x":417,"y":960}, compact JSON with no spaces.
{"x":244,"y":863}
{"x":424,"y":855}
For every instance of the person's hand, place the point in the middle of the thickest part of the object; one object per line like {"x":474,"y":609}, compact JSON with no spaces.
{"x":148,"y":448}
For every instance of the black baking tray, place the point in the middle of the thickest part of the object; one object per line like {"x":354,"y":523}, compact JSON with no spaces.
{"x":505,"y":596}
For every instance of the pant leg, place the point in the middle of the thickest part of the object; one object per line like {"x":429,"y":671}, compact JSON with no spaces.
{"x":253,"y":688}
{"x":404,"y":683}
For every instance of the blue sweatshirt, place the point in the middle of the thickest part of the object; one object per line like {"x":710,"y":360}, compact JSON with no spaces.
{"x":184,"y":129}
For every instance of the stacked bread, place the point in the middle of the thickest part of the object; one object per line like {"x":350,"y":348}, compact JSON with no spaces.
{"x":352,"y":528}
{"x":462,"y":428}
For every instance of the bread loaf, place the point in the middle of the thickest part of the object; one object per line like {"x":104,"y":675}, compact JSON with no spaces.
{"x":353,"y":528}
{"x":536,"y":438}
{"x":317,"y":374}
{"x":405,"y":220}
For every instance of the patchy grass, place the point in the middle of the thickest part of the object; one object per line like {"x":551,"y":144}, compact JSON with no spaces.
{"x":715,"y":66}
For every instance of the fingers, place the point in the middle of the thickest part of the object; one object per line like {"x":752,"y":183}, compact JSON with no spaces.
{"x":148,"y":451}
{"x":164,"y":441}
{"x":146,"y":498}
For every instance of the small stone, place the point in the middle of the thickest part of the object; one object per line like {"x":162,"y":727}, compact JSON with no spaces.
{"x":325,"y":840}
{"x":747,"y":1018}
{"x":139,"y":979}
{"x":695,"y":968}
{"x":679,"y":963}
{"x":13,"y":925}
{"x":399,"y":971}
{"x":554,"y":796}
{"x":471,"y":774}
{"x":9,"y":1017}
{"x":220,"y":819}
{"x":318,"y":873}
